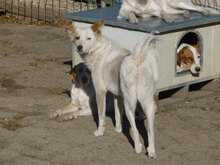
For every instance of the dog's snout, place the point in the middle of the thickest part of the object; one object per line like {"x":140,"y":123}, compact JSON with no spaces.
{"x":84,"y":79}
{"x":79,"y":47}
{"x":197,"y":69}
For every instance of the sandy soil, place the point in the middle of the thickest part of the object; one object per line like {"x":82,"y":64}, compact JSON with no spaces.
{"x":34,"y":61}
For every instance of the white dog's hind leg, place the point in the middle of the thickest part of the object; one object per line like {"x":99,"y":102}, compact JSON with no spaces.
{"x":118,"y":114}
{"x":101,"y":103}
{"x":146,"y":100}
{"x":128,"y":88}
{"x":188,"y":6}
{"x":130,"y":113}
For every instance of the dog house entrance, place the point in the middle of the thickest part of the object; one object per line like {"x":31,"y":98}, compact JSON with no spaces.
{"x":184,"y":60}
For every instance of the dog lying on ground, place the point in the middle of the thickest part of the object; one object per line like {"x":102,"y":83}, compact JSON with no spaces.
{"x":83,"y":97}
{"x":188,"y":58}
{"x":131,"y":9}
{"x":114,"y":69}
{"x":82,"y":94}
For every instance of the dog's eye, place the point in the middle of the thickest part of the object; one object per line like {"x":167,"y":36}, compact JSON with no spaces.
{"x":88,"y":38}
{"x":190,"y":58}
{"x":77,"y":38}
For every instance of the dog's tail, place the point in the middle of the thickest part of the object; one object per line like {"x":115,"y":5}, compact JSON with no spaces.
{"x":145,"y":51}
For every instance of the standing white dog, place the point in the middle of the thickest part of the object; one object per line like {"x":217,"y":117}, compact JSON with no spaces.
{"x":131,"y":9}
{"x":116,"y":70}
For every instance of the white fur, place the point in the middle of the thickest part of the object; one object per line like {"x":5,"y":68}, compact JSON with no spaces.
{"x":130,"y":9}
{"x":114,"y":69}
{"x":196,"y":56}
{"x":139,"y":74}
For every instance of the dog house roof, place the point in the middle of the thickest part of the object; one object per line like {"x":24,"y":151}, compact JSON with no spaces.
{"x":153,"y":25}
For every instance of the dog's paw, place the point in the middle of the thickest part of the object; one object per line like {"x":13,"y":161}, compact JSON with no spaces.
{"x":151,"y":153}
{"x":206,"y":13}
{"x":194,"y":2}
{"x":168,"y":19}
{"x":118,"y":128}
{"x":138,"y":148}
{"x":99,"y":132}
{"x":186,"y":14}
{"x":133,"y":18}
{"x":54,"y":115}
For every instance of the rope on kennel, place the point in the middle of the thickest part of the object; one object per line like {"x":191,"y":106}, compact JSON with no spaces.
{"x":215,"y":4}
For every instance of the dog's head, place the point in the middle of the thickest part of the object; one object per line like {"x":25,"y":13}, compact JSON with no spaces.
{"x":81,"y":74}
{"x":85,"y":39}
{"x":189,"y":56}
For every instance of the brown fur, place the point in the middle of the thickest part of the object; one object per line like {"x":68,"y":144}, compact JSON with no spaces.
{"x":97,"y":27}
{"x":186,"y":56}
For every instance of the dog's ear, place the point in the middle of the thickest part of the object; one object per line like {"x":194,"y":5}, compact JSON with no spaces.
{"x":72,"y":32}
{"x":179,"y":57}
{"x":72,"y":74}
{"x":97,"y":27}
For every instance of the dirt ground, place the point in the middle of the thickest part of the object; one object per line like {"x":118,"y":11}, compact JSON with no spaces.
{"x":34,"y":61}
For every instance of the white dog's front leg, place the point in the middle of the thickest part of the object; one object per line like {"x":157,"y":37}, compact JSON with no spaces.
{"x":82,"y":112}
{"x":101,"y":101}
{"x":150,"y":111}
{"x":67,"y":109}
{"x":133,"y":18}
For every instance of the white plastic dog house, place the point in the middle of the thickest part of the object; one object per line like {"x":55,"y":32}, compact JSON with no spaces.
{"x":206,"y":30}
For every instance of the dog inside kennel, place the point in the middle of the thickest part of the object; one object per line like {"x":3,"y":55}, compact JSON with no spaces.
{"x":189,"y":53}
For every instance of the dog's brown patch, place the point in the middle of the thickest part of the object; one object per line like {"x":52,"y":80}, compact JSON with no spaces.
{"x":97,"y":27}
{"x":72,"y":32}
{"x":185,"y":55}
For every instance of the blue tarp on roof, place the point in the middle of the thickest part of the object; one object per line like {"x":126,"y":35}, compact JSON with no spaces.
{"x":151,"y":25}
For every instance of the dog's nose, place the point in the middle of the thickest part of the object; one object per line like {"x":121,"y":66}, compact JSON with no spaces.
{"x":79,"y":47}
{"x":197,"y":69}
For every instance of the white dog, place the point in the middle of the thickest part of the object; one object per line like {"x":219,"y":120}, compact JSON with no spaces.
{"x":114,"y":69}
{"x":131,"y":9}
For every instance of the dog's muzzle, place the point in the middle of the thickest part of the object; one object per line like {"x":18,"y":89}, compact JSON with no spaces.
{"x":197,"y":69}
{"x":79,"y":48}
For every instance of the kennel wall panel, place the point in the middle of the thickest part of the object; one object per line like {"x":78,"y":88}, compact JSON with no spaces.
{"x":128,"y":35}
{"x":216,"y":51}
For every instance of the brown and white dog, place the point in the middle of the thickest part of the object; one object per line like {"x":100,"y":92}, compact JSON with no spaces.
{"x":188,"y":58}
{"x":82,"y":94}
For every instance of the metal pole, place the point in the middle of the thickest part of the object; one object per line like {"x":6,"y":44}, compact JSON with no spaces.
{"x":98,"y":3}
{"x":38,"y":11}
{"x":45,"y":12}
{"x":5,"y":6}
{"x":59,"y":10}
{"x":11,"y":7}
{"x":24,"y":9}
{"x":66,"y":6}
{"x":31,"y":10}
{"x":52,"y":9}
{"x":18,"y":7}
